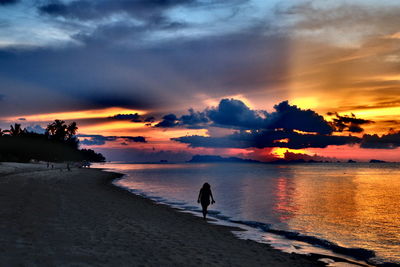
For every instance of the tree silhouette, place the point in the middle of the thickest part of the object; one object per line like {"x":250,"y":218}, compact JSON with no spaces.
{"x":58,"y":144}
{"x":71,"y":130}
{"x":16,"y":130}
{"x":57,"y":130}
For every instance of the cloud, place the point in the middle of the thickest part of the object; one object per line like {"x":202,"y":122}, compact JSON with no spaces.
{"x":168,"y":121}
{"x":21,"y":119}
{"x":36,"y":129}
{"x":263,"y":139}
{"x":386,"y":141}
{"x":135,"y":117}
{"x":193,"y":120}
{"x":98,"y":140}
{"x":348,"y":123}
{"x":124,"y":33}
{"x":232,"y":113}
{"x":342,"y":24}
{"x":293,"y":118}
{"x":288,"y":127}
{"x":91,"y":10}
{"x":8,"y":2}
{"x":95,"y":76}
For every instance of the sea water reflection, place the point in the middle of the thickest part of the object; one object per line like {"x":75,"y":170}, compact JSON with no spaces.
{"x":353,"y":205}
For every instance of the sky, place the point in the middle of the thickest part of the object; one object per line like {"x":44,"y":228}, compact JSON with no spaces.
{"x":167,"y":79}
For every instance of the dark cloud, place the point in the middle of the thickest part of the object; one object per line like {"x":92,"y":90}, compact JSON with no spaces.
{"x":293,"y":118}
{"x":94,"y":76}
{"x":149,"y":119}
{"x":21,"y":119}
{"x":386,"y":141}
{"x":135,"y":117}
{"x":348,"y":123}
{"x":91,"y":140}
{"x":90,"y":10}
{"x":234,"y":113}
{"x":260,"y":129}
{"x":264,"y":139}
{"x":168,"y":121}
{"x":193,"y":120}
{"x":136,"y":139}
{"x":8,"y":2}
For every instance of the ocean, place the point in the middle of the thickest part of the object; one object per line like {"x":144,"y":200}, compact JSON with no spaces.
{"x":348,"y":209}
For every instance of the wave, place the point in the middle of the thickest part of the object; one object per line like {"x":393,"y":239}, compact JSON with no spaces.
{"x":357,"y":253}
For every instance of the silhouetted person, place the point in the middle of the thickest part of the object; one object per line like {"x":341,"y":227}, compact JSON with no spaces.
{"x":204,"y":198}
{"x":68,"y":168}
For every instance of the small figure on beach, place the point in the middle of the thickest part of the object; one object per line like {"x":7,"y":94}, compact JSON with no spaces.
{"x":204,"y":198}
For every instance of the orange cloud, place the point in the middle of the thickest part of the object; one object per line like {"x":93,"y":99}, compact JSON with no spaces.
{"x":75,"y":115}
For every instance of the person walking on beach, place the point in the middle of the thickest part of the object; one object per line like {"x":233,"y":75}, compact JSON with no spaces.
{"x":204,"y":198}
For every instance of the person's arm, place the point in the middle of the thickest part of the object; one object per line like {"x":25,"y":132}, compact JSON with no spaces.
{"x":212,"y":198}
{"x":198,"y":199}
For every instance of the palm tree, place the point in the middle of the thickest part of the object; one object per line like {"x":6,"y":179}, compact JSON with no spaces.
{"x":16,"y":130}
{"x":57,"y":130}
{"x":51,"y":129}
{"x":71,"y":130}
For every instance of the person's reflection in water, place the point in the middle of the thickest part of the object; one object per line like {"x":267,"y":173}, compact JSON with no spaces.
{"x":204,"y":198}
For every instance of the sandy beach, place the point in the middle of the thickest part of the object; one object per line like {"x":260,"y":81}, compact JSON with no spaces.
{"x":59,"y":218}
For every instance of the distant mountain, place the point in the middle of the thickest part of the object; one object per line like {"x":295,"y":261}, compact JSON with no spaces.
{"x":284,"y":161}
{"x":377,"y":161}
{"x":213,"y":158}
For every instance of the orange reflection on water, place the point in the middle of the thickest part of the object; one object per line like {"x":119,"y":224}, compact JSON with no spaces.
{"x":356,"y":207}
{"x":283,"y":205}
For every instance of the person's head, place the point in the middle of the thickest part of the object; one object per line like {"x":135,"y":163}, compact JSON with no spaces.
{"x":206,"y":186}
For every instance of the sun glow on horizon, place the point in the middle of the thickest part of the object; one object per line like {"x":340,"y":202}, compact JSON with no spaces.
{"x":280,"y":151}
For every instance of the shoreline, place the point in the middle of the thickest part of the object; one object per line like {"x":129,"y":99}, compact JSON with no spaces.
{"x":319,"y":253}
{"x":53,"y":218}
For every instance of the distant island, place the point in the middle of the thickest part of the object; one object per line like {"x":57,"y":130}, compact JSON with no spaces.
{"x":377,"y":161}
{"x":213,"y":158}
{"x":216,"y":158}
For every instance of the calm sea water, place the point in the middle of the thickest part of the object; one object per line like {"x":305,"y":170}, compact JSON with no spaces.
{"x":348,"y":205}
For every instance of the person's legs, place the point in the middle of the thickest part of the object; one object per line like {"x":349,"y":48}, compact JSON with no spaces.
{"x":204,"y":206}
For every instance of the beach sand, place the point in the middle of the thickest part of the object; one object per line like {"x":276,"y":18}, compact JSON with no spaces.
{"x":59,"y":218}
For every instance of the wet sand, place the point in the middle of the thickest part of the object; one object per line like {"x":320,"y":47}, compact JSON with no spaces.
{"x":50,"y":217}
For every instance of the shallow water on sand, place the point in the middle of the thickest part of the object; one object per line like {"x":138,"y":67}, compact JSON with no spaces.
{"x":350,"y":205}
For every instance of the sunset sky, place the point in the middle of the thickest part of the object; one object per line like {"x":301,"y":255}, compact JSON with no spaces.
{"x":246,"y":78}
